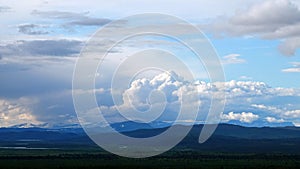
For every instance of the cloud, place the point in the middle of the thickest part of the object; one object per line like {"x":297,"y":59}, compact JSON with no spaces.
{"x":32,"y":29}
{"x":146,"y":95}
{"x":23,"y":75}
{"x":274,"y":120}
{"x":59,"y":14}
{"x":296,"y":124}
{"x":245,"y":117}
{"x":292,"y":114}
{"x":283,"y":113}
{"x":289,"y":46}
{"x":271,"y":19}
{"x":253,"y":99}
{"x":55,"y":107}
{"x":4,"y":9}
{"x":245,"y":78}
{"x":271,"y":13}
{"x":294,"y":69}
{"x":14,"y":112}
{"x":233,"y":59}
{"x":90,"y":22}
{"x":61,"y":47}
{"x":272,"y":109}
{"x":247,"y":101}
{"x":72,"y":18}
{"x":140,"y":89}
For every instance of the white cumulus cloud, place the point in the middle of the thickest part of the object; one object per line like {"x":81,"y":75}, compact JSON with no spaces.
{"x":292,"y":114}
{"x":245,"y":117}
{"x":274,"y":120}
{"x":250,"y":98}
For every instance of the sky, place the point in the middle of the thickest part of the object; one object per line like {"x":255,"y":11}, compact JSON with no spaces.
{"x":257,"y":43}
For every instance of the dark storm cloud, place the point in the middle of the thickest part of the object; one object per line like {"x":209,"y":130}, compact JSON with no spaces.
{"x":34,"y":67}
{"x":61,"y":47}
{"x":19,"y":80}
{"x":12,"y":68}
{"x":32,"y":29}
{"x":37,"y":66}
{"x":56,"y":105}
{"x":72,"y":18}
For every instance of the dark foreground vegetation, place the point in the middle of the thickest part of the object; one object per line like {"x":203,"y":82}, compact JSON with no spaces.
{"x":231,"y":147}
{"x":95,"y":158}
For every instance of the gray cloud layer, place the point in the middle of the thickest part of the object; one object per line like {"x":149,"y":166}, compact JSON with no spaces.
{"x":61,"y":47}
{"x":4,"y":9}
{"x":32,"y":29}
{"x":72,"y":18}
{"x":272,"y":19}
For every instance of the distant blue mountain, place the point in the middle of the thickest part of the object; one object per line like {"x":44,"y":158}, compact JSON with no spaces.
{"x":260,"y":124}
{"x":226,"y":138}
{"x":131,"y":126}
{"x":144,"y":130}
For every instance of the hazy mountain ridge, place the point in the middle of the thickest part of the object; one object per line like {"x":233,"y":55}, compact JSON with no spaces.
{"x":142,"y":130}
{"x":226,"y":138}
{"x":134,"y":128}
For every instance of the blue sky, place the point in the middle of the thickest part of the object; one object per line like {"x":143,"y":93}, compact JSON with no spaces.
{"x":257,"y":41}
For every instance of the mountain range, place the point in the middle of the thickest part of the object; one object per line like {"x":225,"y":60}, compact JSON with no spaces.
{"x":226,"y":138}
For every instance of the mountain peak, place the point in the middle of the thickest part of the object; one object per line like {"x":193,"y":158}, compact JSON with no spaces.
{"x":30,"y":125}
